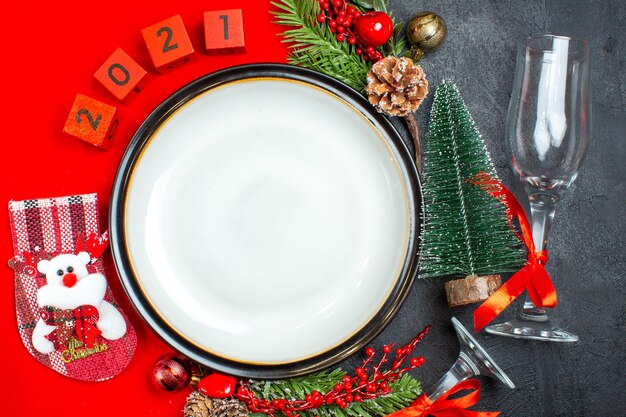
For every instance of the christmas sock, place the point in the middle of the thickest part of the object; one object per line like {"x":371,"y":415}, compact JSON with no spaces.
{"x":66,"y":315}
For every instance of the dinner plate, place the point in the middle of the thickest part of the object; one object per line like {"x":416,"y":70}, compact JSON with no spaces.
{"x":264,"y":221}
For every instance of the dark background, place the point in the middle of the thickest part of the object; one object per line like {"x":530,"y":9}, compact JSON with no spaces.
{"x":587,"y":251}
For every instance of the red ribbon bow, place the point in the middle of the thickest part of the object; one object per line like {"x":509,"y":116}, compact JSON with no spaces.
{"x":80,"y":321}
{"x":532,"y":276}
{"x":444,"y":407}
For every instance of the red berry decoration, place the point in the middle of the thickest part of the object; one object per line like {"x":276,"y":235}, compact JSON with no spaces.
{"x":342,"y":18}
{"x":217,"y":385}
{"x":350,"y":389}
{"x":373,"y":28}
{"x":172,"y":372}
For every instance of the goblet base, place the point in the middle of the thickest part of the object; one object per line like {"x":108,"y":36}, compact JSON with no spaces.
{"x":475,"y":357}
{"x":520,"y":328}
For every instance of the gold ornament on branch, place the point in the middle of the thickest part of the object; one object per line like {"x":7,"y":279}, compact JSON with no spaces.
{"x":199,"y":405}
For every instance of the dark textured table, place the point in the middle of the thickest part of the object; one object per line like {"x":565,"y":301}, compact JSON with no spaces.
{"x":587,"y":251}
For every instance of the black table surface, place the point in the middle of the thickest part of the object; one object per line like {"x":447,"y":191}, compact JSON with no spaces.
{"x":587,"y":251}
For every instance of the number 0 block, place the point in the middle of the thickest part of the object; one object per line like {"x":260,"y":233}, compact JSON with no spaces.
{"x":168,"y":43}
{"x":120,"y":74}
{"x":92,"y":121}
{"x":223,"y":31}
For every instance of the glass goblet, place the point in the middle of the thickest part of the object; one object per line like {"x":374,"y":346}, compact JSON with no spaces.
{"x":547,"y":129}
{"x":473,"y":361}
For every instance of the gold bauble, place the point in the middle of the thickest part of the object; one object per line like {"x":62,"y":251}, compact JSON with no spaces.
{"x":427,"y":31}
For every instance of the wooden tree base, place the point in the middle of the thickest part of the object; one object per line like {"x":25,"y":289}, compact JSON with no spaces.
{"x":471,"y":289}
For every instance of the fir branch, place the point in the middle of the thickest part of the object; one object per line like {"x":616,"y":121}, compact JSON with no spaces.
{"x":380,"y":5}
{"x":395,"y":45}
{"x":364,"y":4}
{"x":403,"y":392}
{"x":314,"y":46}
{"x":297,"y":388}
{"x":371,"y":392}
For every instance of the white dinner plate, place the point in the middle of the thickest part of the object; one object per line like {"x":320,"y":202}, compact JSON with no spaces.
{"x":263,"y":221}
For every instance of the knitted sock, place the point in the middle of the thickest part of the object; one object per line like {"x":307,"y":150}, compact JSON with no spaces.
{"x":66,"y":315}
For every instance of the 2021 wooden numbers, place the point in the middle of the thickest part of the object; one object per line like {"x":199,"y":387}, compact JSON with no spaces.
{"x":169,"y":46}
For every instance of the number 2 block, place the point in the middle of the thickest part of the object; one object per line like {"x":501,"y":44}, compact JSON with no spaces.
{"x":223,"y":31}
{"x":120,"y":74}
{"x":168,"y":44}
{"x":92,"y":121}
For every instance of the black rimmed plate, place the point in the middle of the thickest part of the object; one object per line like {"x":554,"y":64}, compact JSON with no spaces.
{"x":264,"y":221}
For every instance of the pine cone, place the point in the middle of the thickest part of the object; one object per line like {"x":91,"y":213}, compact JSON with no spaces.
{"x":230,"y":408}
{"x":396,"y":86}
{"x":199,"y":405}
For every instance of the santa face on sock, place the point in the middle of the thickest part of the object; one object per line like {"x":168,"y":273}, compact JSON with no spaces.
{"x":69,"y":286}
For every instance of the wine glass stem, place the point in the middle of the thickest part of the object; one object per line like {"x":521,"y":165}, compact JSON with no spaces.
{"x":462,"y":369}
{"x":542,"y":207}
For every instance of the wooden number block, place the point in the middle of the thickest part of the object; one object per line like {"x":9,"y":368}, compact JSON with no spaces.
{"x":223,"y":31}
{"x":120,"y":74}
{"x":168,"y":44}
{"x":92,"y":121}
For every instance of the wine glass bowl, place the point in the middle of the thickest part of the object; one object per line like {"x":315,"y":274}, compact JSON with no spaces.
{"x":547,"y":131}
{"x":548,"y":121}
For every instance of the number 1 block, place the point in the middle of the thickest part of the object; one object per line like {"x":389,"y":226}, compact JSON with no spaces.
{"x":120,"y":74}
{"x":223,"y":31}
{"x":168,"y":44}
{"x":92,"y":121}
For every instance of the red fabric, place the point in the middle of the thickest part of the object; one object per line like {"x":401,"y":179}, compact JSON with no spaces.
{"x":532,"y":277}
{"x":446,"y":407}
{"x":51,"y":52}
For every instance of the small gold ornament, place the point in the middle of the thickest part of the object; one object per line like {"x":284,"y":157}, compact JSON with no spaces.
{"x":427,"y":31}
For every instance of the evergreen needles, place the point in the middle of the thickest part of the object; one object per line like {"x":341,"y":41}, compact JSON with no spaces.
{"x":465,"y":229}
{"x":404,"y":391}
{"x":298,"y":387}
{"x":314,"y":46}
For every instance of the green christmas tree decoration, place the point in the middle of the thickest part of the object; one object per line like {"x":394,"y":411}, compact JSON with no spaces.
{"x":403,"y":392}
{"x":313,"y":45}
{"x":380,"y":386}
{"x":466,"y":232}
